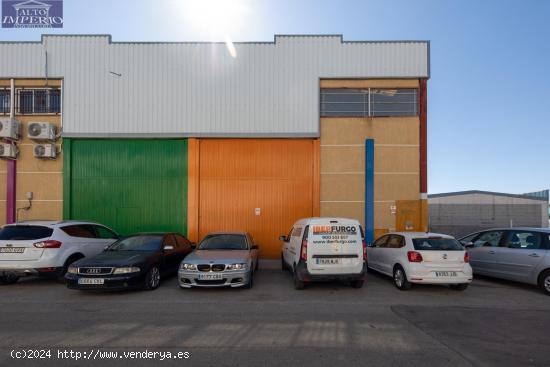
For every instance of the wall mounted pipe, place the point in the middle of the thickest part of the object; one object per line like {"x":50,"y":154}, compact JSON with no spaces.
{"x":11,"y":168}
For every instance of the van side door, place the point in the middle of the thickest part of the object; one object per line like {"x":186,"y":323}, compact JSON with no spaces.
{"x":286,"y":248}
{"x":295,"y":244}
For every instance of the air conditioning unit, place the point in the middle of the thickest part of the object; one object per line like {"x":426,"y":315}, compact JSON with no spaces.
{"x":41,"y":131}
{"x":45,"y":151}
{"x":9,"y":128}
{"x":8,"y":151}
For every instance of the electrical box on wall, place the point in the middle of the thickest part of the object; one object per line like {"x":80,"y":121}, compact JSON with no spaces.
{"x":47,"y":151}
{"x":8,"y":151}
{"x":41,"y":131}
{"x":9,"y":128}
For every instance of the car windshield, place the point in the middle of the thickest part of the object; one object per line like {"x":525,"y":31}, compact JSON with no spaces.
{"x":442,"y":244}
{"x":14,"y":233}
{"x":137,"y":243}
{"x":223,"y":242}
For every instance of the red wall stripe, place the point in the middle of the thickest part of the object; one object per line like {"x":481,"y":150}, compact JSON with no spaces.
{"x":423,"y":108}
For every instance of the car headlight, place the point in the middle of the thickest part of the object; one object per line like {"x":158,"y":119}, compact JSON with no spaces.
{"x":186,"y":266}
{"x":72,"y":270}
{"x":126,"y":270}
{"x":239,"y":266}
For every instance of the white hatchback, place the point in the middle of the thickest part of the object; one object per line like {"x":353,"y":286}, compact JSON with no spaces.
{"x":47,"y":248}
{"x":420,"y":257}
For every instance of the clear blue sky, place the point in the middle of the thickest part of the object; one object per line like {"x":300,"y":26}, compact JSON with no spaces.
{"x":489,"y":92}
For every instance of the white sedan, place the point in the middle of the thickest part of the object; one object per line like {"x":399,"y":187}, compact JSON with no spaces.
{"x":420,"y":257}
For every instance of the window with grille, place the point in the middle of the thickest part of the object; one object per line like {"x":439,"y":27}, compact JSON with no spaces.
{"x":4,"y":101}
{"x":38,"y":101}
{"x":369,"y":102}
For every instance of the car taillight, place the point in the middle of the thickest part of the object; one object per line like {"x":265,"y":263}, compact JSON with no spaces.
{"x":466,"y":257}
{"x":364,"y":251}
{"x":303,"y":251}
{"x":414,"y":257}
{"x":48,"y":244}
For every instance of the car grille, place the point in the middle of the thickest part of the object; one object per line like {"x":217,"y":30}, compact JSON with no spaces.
{"x":203,"y":267}
{"x":213,"y":267}
{"x":218,"y":267}
{"x":95,"y":271}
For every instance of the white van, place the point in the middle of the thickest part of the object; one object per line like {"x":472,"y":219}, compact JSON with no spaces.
{"x":320,"y":249}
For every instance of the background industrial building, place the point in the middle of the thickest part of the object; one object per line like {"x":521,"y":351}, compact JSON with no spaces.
{"x":461,"y":213}
{"x":185,"y":137}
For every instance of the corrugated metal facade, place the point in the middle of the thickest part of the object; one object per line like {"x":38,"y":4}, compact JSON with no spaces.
{"x":130,"y":185}
{"x":198,"y":89}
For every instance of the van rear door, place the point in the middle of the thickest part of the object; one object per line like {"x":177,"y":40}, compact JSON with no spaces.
{"x":334,"y":247}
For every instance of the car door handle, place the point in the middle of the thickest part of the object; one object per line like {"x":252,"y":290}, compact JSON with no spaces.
{"x":491,"y":252}
{"x":534,"y":255}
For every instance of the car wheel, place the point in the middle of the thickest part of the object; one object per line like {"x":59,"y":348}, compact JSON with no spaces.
{"x":400,"y":279}
{"x":544,"y":282}
{"x":298,"y":284}
{"x":459,"y":287}
{"x":152,"y":280}
{"x":357,"y":283}
{"x":8,"y":279}
{"x":250,"y":282}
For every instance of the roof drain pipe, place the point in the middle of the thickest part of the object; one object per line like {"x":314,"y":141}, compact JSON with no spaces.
{"x":11,"y":167}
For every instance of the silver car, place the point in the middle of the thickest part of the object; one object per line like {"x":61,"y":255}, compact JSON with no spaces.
{"x":518,"y":254}
{"x":221,"y":259}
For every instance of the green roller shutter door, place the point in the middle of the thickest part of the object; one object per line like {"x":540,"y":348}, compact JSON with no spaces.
{"x":129,"y":185}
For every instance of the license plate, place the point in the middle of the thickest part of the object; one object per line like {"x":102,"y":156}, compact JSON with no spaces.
{"x":91,"y":281}
{"x":12,"y":250}
{"x":210,"y":276}
{"x":328,"y":261}
{"x":445,"y":273}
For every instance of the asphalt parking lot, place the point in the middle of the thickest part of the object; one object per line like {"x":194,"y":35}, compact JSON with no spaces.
{"x":493,"y":323}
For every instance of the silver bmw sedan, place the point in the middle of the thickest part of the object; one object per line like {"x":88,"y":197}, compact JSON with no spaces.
{"x":221,"y":259}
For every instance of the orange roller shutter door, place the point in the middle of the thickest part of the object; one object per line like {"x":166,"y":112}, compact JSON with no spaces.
{"x":261,"y":186}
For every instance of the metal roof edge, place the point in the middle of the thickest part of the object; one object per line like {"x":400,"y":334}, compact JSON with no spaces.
{"x":110,"y":39}
{"x":470,"y":192}
{"x":299,"y":135}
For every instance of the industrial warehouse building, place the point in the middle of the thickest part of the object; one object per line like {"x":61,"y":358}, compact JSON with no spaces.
{"x":186,"y":137}
{"x":464,"y":212}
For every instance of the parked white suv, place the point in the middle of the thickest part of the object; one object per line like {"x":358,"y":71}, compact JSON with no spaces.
{"x":318,"y":249}
{"x":419,"y":257}
{"x":47,"y":248}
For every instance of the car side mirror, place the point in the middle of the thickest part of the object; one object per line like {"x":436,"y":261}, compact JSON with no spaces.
{"x":254,"y":247}
{"x":193,"y":246}
{"x":468,"y":244}
{"x":282,"y":238}
{"x":168,"y":248}
{"x":105,"y":248}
